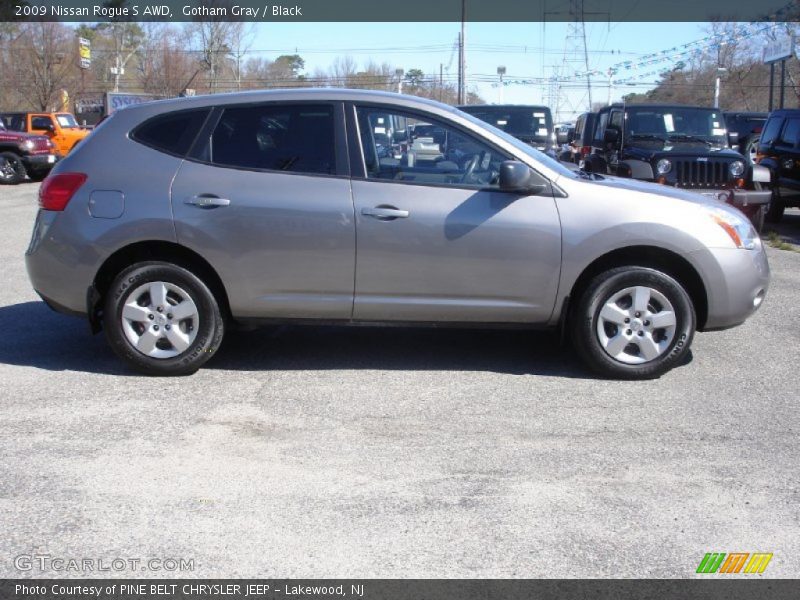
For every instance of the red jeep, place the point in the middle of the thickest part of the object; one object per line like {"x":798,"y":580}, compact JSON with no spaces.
{"x":23,"y":154}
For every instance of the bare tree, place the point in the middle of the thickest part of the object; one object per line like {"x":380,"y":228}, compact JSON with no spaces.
{"x":44,"y":65}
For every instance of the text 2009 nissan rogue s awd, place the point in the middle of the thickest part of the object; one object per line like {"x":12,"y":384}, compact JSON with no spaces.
{"x":176,"y":218}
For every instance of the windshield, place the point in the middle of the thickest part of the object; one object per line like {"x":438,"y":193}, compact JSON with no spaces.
{"x":533,"y":123}
{"x":66,"y":120}
{"x":524,"y":148}
{"x":675,"y":124}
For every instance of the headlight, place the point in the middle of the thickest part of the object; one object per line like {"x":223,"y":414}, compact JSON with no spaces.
{"x":739,"y":229}
{"x":27,"y":145}
{"x":736,"y":168}
{"x":663,"y":166}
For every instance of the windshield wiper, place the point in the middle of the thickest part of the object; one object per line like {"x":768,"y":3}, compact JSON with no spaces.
{"x":584,"y":174}
{"x":647,"y":136}
{"x":690,"y":138}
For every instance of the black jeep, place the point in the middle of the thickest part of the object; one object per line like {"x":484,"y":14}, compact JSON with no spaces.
{"x":682,"y":146}
{"x":779,"y":151}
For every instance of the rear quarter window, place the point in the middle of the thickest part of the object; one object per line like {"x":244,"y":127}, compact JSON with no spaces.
{"x":173,"y":132}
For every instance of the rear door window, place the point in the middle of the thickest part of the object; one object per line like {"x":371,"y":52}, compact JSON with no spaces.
{"x":295,"y":138}
{"x":173,"y":132}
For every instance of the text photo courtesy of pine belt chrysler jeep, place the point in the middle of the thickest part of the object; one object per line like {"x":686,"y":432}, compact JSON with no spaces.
{"x":286,"y":205}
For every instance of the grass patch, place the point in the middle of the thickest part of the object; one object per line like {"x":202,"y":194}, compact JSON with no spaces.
{"x":775,"y":241}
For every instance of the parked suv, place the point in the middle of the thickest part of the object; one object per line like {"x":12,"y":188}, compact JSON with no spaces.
{"x":779,"y":151}
{"x":747,"y":126}
{"x":531,"y":124}
{"x":580,"y":143}
{"x":24,"y":155}
{"x":61,"y":128}
{"x":681,"y":146}
{"x":280,"y":206}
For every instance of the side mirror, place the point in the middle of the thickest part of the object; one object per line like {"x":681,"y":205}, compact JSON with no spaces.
{"x":519,"y":178}
{"x":733,"y":138}
{"x":611,"y":136}
{"x":571,"y":135}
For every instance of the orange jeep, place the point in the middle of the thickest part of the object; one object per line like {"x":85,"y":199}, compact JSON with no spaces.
{"x":61,"y":128}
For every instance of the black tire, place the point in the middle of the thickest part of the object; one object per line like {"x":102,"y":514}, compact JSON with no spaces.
{"x":12,"y":171}
{"x":585,"y":319}
{"x":207,"y":334}
{"x":38,"y":175}
{"x":760,"y":215}
{"x":775,"y":207}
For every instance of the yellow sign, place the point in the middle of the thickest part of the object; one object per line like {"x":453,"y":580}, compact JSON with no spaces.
{"x":85,"y":52}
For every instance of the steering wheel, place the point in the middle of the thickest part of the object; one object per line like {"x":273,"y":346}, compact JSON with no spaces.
{"x":473,"y":164}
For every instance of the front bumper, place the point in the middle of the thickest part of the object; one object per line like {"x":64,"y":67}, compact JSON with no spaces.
{"x":740,"y":198}
{"x":40,"y":162}
{"x":736,"y":282}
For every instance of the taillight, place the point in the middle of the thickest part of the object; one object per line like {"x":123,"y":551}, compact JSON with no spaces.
{"x":57,"y":190}
{"x":586,"y":150}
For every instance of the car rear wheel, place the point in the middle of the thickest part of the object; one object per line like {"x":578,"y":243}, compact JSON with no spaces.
{"x":162,"y":319}
{"x":633,"y":323}
{"x":12,"y":171}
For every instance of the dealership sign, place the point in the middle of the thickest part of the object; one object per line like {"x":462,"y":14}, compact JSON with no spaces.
{"x":85,"y":52}
{"x":117,"y":100}
{"x":779,"y":50}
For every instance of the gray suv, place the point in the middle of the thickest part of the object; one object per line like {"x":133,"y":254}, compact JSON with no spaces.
{"x":177,"y":219}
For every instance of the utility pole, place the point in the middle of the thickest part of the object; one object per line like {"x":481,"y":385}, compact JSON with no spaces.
{"x":462,"y":65}
{"x":441,"y":81}
{"x":399,"y":73}
{"x":501,"y":70}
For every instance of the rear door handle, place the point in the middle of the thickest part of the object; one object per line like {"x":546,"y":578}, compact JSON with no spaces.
{"x":207,"y":201}
{"x":386,"y":213}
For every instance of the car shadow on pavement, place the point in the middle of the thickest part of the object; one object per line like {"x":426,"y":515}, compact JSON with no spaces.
{"x":35,"y":336}
{"x":307,"y":347}
{"x":788,"y":229}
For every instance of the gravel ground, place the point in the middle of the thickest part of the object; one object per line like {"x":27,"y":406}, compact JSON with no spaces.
{"x":337,"y":452}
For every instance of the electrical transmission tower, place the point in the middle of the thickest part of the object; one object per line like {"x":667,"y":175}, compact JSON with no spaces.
{"x":575,"y":60}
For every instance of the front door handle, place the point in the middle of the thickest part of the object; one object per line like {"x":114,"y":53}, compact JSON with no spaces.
{"x":207,"y":201}
{"x":385,"y":213}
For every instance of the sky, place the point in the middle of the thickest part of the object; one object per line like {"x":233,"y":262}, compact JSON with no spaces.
{"x":517,"y":46}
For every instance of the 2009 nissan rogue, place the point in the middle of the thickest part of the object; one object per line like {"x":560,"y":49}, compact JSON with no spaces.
{"x":178,"y":218}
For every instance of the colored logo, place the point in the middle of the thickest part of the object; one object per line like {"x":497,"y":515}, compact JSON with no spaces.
{"x":735,"y":562}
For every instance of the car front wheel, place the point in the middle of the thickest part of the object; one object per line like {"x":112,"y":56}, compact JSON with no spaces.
{"x":633,"y":323}
{"x":162,"y":319}
{"x":12,"y":171}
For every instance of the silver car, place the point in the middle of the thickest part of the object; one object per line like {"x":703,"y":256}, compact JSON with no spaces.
{"x":177,"y":219}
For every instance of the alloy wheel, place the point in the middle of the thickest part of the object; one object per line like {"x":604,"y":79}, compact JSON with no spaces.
{"x":160,"y":319}
{"x":636,"y":325}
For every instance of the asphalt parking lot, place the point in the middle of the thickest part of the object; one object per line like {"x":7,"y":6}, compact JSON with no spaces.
{"x":336,"y":452}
